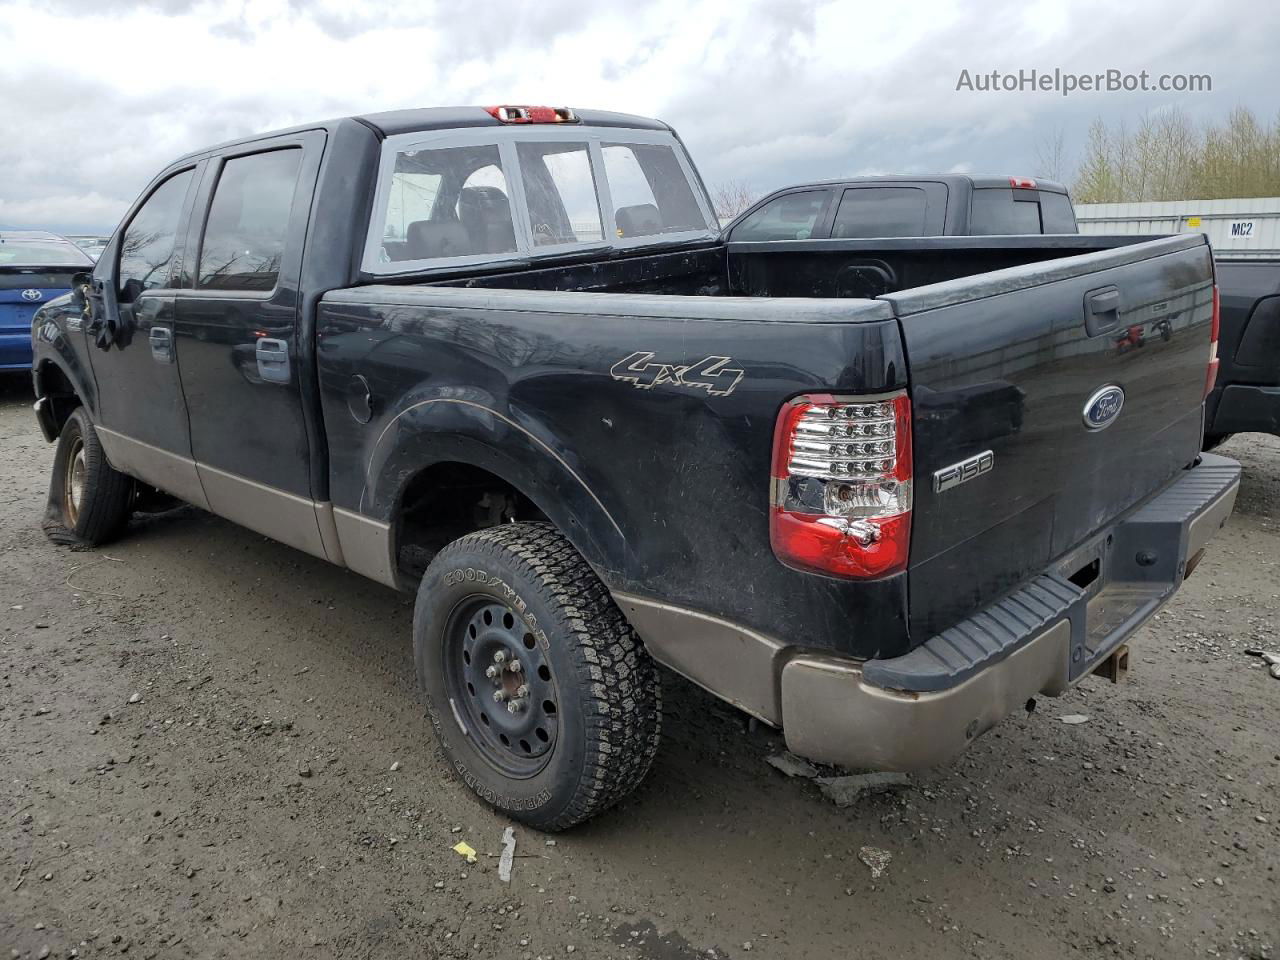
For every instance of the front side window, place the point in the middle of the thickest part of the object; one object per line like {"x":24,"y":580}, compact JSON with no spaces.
{"x":560,"y":192}
{"x":449,"y":202}
{"x":651,"y":194}
{"x":244,"y":238}
{"x":881,"y":212}
{"x":147,"y":247}
{"x":792,"y":216}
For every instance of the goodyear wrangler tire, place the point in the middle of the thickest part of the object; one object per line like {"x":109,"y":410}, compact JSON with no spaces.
{"x":543,"y":698}
{"x":89,"y":501}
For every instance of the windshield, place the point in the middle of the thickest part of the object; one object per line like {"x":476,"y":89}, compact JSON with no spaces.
{"x":474,"y":196}
{"x":41,"y":253}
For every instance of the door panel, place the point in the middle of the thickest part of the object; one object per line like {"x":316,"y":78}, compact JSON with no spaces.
{"x":238,"y":346}
{"x":141,"y":414}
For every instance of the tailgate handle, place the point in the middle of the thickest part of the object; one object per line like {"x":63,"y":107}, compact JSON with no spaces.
{"x":273,"y":360}
{"x":1101,"y":310}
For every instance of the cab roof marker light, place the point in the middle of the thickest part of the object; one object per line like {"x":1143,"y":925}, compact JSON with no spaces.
{"x":526,"y":114}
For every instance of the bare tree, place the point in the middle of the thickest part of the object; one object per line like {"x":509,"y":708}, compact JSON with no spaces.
{"x":1051,"y":156}
{"x":731,"y":197}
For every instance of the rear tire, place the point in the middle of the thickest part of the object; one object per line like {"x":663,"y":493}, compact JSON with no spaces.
{"x":1214,"y":440}
{"x":543,"y":698}
{"x":89,"y":500}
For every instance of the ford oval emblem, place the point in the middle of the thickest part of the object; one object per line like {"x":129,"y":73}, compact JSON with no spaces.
{"x":1103,"y":407}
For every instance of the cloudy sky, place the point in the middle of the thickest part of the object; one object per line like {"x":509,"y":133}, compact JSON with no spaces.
{"x":97,"y":95}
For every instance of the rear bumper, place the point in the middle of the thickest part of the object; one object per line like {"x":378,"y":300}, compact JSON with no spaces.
{"x":1247,"y":409}
{"x":15,"y":350}
{"x":924,"y":708}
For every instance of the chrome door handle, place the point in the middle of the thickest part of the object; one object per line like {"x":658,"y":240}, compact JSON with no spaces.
{"x":161,"y":340}
{"x":273,"y":360}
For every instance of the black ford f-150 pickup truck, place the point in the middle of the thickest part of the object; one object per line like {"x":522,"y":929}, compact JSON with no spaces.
{"x":504,"y":358}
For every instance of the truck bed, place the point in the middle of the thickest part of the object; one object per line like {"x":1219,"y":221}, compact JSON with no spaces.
{"x":675,"y":474}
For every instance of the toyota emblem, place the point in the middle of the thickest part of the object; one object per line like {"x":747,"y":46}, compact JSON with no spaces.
{"x":31,"y":295}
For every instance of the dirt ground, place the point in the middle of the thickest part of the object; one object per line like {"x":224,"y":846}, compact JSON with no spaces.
{"x":212,"y":746}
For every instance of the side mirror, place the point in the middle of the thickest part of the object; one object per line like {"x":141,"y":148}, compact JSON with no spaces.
{"x":80,"y":288}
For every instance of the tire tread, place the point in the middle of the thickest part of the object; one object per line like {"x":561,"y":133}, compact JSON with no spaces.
{"x":621,"y":688}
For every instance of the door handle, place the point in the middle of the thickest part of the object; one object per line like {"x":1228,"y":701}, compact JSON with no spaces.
{"x":273,"y":360}
{"x":161,"y":340}
{"x":1101,"y":310}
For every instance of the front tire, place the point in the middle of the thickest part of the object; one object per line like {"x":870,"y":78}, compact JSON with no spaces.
{"x":89,"y":500}
{"x":543,"y":698}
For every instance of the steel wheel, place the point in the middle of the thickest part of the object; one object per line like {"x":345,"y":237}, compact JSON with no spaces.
{"x":73,"y":481}
{"x":500,"y":686}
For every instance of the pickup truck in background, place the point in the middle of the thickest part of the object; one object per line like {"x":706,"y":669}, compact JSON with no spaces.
{"x":876,"y":492}
{"x":941,"y":205}
{"x":1246,"y":392}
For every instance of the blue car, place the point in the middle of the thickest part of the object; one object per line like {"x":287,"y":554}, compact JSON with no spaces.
{"x":35,"y":267}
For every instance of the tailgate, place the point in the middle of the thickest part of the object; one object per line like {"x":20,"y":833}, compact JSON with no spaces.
{"x":1007,"y":369}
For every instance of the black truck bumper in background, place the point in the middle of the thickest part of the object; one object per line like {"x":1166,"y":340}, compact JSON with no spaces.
{"x":1242,"y":408}
{"x":924,"y":708}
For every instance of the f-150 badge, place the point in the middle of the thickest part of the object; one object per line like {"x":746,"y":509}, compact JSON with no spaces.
{"x":712,"y":374}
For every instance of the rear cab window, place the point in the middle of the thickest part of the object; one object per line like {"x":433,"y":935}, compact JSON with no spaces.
{"x":996,"y":211}
{"x":448,"y":199}
{"x":42,"y":253}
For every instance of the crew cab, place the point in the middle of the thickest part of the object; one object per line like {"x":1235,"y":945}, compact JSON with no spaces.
{"x":935,"y":205}
{"x":875,"y":492}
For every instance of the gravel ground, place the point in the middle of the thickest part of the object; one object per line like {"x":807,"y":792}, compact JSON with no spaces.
{"x":212,"y":746}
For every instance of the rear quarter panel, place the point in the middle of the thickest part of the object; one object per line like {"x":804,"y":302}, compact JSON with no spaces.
{"x":659,"y":476}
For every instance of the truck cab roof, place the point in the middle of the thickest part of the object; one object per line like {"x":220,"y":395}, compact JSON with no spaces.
{"x":390,"y":123}
{"x":908,"y":205}
{"x":971,"y":180}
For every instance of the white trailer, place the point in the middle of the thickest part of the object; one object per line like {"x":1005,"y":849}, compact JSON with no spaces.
{"x":1245,"y":228}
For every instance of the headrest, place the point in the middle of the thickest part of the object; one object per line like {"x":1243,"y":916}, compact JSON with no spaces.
{"x":640,"y":220}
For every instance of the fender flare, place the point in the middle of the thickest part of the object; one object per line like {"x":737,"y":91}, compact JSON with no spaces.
{"x":52,"y":348}
{"x":514,"y":448}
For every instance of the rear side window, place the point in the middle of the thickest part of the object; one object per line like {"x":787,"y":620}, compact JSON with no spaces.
{"x":792,"y":216}
{"x":651,"y":194}
{"x":448,"y":202}
{"x":998,"y":211}
{"x":244,"y":237}
{"x":881,"y":212}
{"x":146,"y":249}
{"x":560,"y":192}
{"x":1056,"y":213}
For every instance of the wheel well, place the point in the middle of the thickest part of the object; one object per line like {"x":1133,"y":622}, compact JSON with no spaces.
{"x":449,"y":500}
{"x":57,"y":388}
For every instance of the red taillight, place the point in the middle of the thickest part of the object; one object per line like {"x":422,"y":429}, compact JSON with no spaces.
{"x":841,"y":501}
{"x":1022,"y":183}
{"x":1211,"y":374}
{"x":532,"y":114}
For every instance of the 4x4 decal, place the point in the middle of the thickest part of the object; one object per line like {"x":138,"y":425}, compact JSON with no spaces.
{"x":712,"y":374}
